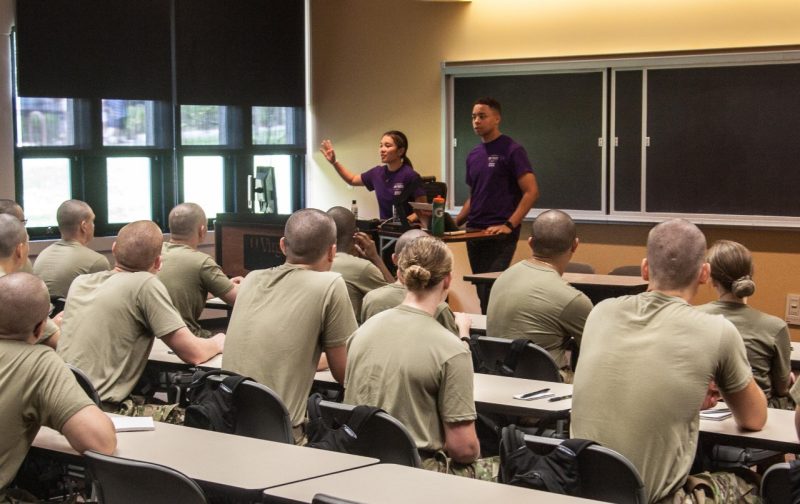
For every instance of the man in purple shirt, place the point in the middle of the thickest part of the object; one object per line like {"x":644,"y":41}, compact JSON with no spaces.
{"x":502,"y":190}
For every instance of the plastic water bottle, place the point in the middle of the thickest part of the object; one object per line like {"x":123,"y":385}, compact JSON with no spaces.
{"x":354,"y":209}
{"x":437,"y":219}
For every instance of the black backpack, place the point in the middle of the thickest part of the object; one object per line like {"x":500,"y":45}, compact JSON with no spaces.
{"x":555,"y":472}
{"x":334,"y":437}
{"x":506,"y":367}
{"x":211,"y":401}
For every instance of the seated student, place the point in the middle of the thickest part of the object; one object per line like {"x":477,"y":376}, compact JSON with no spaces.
{"x":646,"y":363}
{"x":420,"y":373}
{"x":13,"y":254}
{"x":111,"y":318}
{"x":36,"y":388}
{"x":12,"y":208}
{"x":188,"y":274}
{"x":61,"y":262}
{"x":393,"y":294}
{"x":766,"y":338}
{"x":286,"y":316}
{"x":531,"y":300}
{"x":361,"y":275}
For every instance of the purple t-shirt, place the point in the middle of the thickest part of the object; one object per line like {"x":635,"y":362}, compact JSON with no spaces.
{"x":388,"y":184}
{"x":492,"y":172}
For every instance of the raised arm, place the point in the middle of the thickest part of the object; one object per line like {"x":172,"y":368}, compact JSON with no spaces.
{"x":368,"y":249}
{"x":749,"y":406}
{"x":330,"y":155}
{"x":90,"y":429}
{"x":192,"y":349}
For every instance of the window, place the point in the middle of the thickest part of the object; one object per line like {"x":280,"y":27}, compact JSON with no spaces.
{"x":47,"y":183}
{"x":128,"y":122}
{"x":273,"y":125}
{"x":204,"y":184}
{"x":129,"y":189}
{"x":45,"y":122}
{"x":203,"y":125}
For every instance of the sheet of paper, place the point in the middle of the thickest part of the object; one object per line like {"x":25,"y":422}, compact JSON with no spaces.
{"x":129,"y":424}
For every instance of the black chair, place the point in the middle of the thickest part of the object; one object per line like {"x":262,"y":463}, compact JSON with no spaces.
{"x":261,"y":414}
{"x":85,"y":384}
{"x":605,"y":475}
{"x":382,"y":436}
{"x":776,"y":487}
{"x":534,"y":363}
{"x":630,"y":270}
{"x":124,"y":481}
{"x":433,"y":188}
{"x":576,"y":267}
{"x":330,"y":499}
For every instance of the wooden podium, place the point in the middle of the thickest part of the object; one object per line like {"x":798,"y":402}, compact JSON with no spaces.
{"x":247,"y":242}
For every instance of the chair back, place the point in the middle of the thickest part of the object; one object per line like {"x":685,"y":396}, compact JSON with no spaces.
{"x":776,"y":487}
{"x":534,"y":363}
{"x":85,"y":383}
{"x":605,"y":475}
{"x":433,"y":189}
{"x":124,"y":481}
{"x":261,"y":414}
{"x":382,"y":436}
{"x":576,"y":267}
{"x":631,"y":270}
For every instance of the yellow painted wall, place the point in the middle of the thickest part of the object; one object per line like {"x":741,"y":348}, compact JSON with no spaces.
{"x":375,"y":65}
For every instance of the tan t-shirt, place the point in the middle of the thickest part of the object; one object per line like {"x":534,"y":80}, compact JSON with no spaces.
{"x":189,"y":275}
{"x":392,"y":295}
{"x":110,"y":320}
{"x":283,"y":318}
{"x":36,"y":388}
{"x":61,"y":262}
{"x":360,"y":275}
{"x":766,"y":339}
{"x":532,"y":301}
{"x":645,"y":365}
{"x":418,"y":372}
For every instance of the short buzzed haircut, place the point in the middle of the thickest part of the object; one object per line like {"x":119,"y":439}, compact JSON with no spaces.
{"x":345,"y":222}
{"x":137,"y":246}
{"x":553,"y":234}
{"x":11,"y":207}
{"x":70,"y":214}
{"x":12,"y":233}
{"x":308,"y":235}
{"x":25,"y":303}
{"x":185,"y":219}
{"x":675,"y":253}
{"x":489,"y":102}
{"x":406,"y":238}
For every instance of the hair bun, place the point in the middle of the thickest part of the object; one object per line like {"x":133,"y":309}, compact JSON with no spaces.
{"x":417,"y":277}
{"x":743,"y":287}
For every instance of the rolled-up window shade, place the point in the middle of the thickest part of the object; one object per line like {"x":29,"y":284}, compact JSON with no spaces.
{"x":242,"y":52}
{"x":94,"y":48}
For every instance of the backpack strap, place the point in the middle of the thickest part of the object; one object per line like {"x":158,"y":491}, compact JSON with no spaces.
{"x":360,"y":415}
{"x":231,"y":382}
{"x":200,"y":376}
{"x":479,"y":364}
{"x":512,"y":357}
{"x":312,"y":406}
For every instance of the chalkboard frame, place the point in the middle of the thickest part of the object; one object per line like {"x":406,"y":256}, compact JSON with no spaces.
{"x":451,"y":71}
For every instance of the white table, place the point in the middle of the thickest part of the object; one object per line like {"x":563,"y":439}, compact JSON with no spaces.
{"x":394,"y":484}
{"x":494,"y":394}
{"x":778,"y":434}
{"x":225,"y":460}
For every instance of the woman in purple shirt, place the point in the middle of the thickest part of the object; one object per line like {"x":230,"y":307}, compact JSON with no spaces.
{"x":389,"y":179}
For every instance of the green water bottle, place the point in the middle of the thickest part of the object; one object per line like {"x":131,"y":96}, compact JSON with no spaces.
{"x":437,"y":219}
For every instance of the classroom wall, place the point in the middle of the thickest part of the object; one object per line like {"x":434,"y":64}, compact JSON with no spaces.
{"x":375,"y":66}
